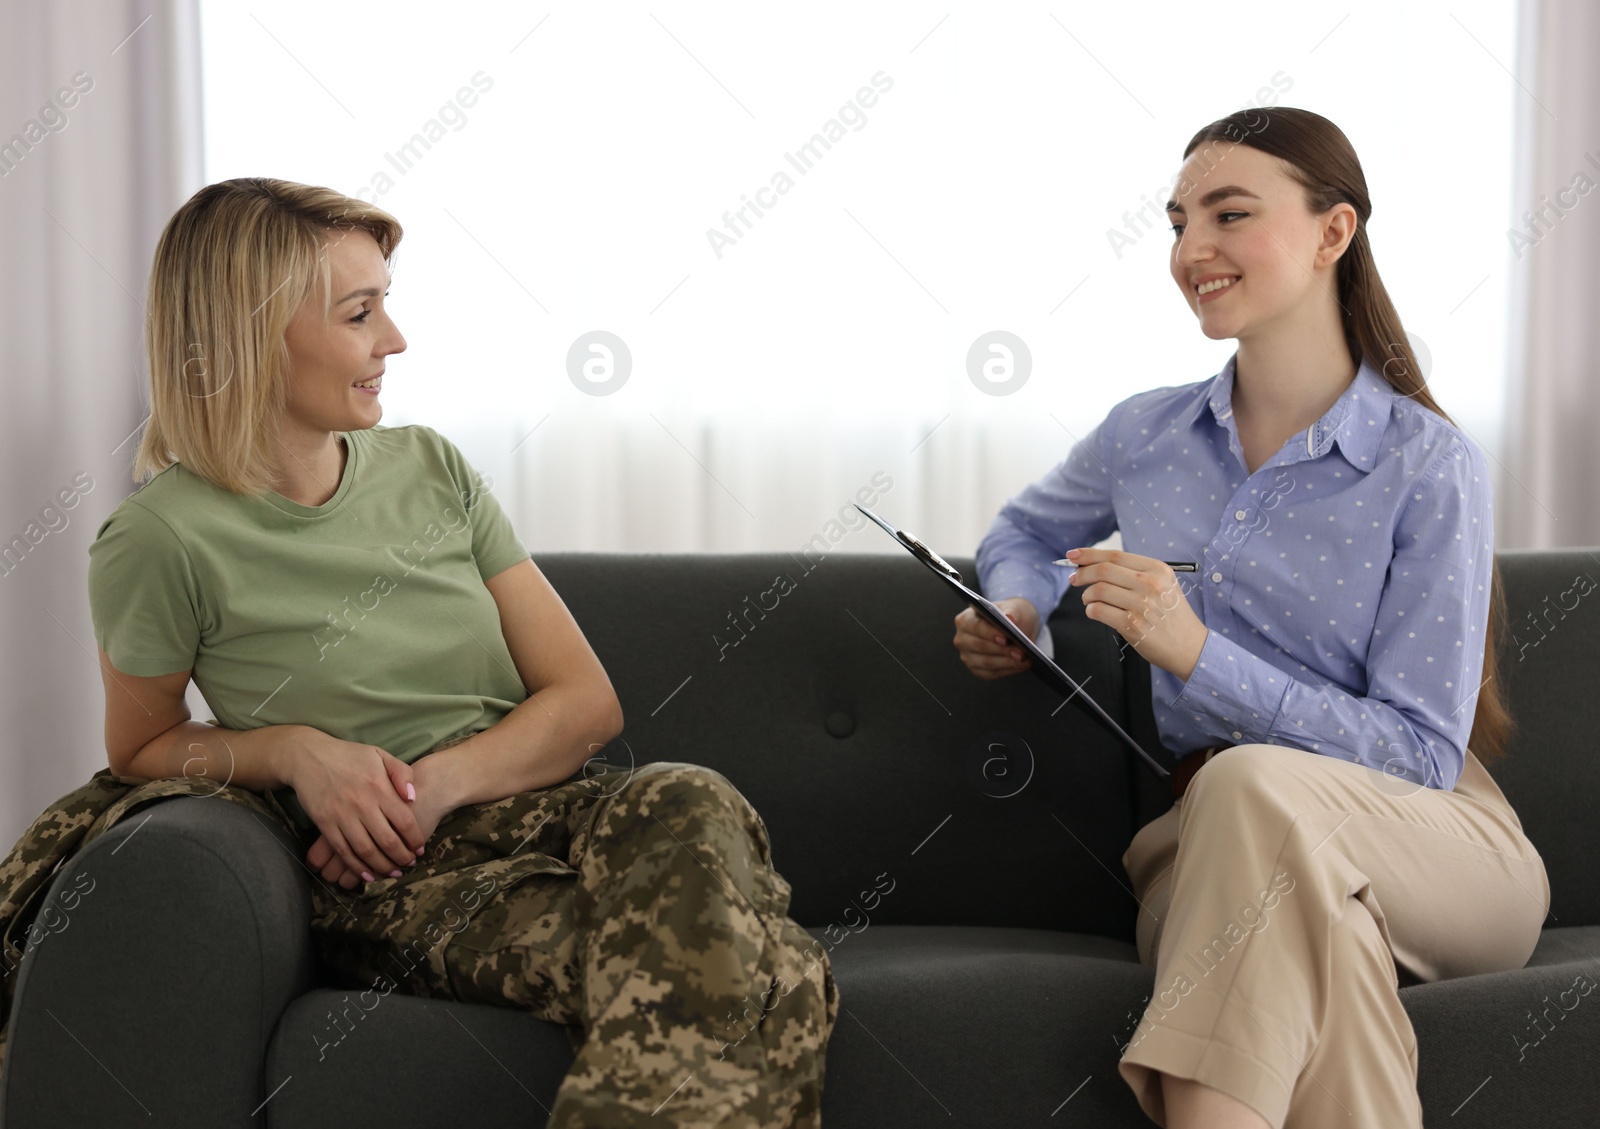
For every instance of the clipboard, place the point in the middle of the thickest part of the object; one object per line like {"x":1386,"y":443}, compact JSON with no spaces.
{"x":1043,"y":665}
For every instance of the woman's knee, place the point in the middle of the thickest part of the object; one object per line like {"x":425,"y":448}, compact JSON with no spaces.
{"x":679,"y":793}
{"x":676,"y":782}
{"x":1243,"y":771}
{"x":1247,"y":785}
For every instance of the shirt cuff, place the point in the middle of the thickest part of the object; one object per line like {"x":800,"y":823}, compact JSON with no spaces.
{"x":1233,"y":694}
{"x":1013,"y":578}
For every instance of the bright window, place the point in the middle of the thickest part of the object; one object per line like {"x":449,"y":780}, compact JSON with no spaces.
{"x":586,"y":169}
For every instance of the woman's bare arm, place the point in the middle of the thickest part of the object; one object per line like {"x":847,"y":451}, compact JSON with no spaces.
{"x":150,"y":736}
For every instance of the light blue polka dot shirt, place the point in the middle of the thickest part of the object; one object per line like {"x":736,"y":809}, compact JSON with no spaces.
{"x":1345,"y":584}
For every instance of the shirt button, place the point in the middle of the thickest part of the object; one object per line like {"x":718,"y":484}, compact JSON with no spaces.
{"x":1216,"y":577}
{"x":1237,"y":735}
{"x":1238,"y":515}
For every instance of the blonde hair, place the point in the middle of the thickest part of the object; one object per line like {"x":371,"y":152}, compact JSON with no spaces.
{"x":231,"y":268}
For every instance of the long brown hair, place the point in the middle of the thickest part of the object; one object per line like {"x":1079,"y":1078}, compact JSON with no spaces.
{"x":231,"y":268}
{"x":1322,"y":160}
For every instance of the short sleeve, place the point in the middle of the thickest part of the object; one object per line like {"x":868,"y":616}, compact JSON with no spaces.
{"x":143,"y":596}
{"x":495,"y":544}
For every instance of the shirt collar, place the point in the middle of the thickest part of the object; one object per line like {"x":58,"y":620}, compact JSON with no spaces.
{"x":1356,"y":421}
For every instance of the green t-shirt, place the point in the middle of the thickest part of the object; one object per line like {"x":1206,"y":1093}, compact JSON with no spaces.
{"x":365,"y":617}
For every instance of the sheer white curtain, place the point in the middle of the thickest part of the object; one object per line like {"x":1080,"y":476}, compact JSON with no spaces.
{"x":1547,"y":495}
{"x":99,"y":143}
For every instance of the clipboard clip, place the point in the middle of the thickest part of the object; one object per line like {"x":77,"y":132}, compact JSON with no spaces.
{"x":920,"y":550}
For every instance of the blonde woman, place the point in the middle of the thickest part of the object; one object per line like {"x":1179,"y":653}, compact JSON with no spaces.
{"x":1320,"y":674}
{"x":387,"y":664}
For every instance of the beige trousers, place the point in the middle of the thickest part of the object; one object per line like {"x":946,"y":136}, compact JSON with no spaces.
{"x":1281,"y":900}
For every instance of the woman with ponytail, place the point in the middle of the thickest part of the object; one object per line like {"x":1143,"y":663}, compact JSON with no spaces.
{"x":1327,"y":677}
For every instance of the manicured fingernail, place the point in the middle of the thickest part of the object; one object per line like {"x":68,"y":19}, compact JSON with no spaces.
{"x":365,"y":877}
{"x":411,"y":793}
{"x":394,"y":873}
{"x":420,"y":850}
{"x":1072,"y":554}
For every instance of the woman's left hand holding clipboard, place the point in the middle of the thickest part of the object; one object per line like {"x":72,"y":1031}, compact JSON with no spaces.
{"x":1140,"y":599}
{"x":985,"y":650}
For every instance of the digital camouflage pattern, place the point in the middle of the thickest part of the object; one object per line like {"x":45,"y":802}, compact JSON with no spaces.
{"x":637,"y":906}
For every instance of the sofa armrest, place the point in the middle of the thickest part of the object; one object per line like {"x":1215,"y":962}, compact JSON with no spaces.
{"x":154,"y":1001}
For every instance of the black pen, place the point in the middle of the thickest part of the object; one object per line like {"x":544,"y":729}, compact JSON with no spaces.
{"x":1175,"y":566}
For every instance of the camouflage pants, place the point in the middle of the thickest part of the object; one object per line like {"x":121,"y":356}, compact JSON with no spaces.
{"x":638,"y":907}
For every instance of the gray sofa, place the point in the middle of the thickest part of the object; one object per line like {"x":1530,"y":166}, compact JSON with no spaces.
{"x":992,"y":986}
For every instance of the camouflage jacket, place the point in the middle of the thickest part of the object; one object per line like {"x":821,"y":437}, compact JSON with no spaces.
{"x":69,"y":824}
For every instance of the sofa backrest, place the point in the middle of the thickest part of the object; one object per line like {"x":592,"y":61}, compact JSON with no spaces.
{"x":1551,"y":666}
{"x":829,"y":692}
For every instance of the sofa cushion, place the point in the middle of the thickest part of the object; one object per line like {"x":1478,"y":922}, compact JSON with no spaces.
{"x":980,"y":1026}
{"x":955,"y":1025}
{"x":977,"y":1020}
{"x":410,"y":1063}
{"x":1513,"y":1048}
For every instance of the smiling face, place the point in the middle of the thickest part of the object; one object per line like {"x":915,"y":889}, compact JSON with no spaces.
{"x":327,"y":360}
{"x":1245,"y":219}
